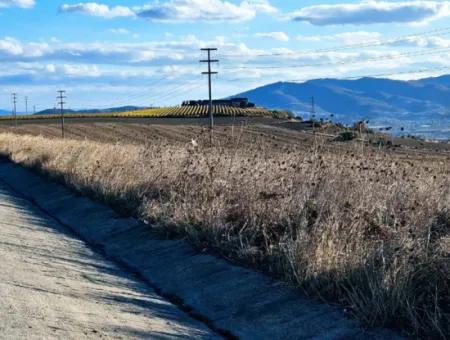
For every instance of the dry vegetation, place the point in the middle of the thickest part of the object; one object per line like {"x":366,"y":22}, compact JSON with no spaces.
{"x":361,"y":227}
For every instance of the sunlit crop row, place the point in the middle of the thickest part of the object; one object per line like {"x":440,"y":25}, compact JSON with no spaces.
{"x":184,"y":111}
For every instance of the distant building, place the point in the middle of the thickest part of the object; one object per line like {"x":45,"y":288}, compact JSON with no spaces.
{"x":233,"y":102}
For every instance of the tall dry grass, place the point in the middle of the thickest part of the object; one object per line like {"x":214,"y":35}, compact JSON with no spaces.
{"x":364,"y":228}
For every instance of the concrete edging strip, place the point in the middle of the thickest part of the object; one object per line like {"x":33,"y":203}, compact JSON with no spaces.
{"x":244,"y":303}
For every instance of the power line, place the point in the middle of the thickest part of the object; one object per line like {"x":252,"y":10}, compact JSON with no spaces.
{"x":375,"y":43}
{"x":61,"y":97}
{"x":187,"y":89}
{"x":373,"y":75}
{"x":210,"y":61}
{"x":163,"y":92}
{"x":144,"y":92}
{"x":149,"y":94}
{"x":346,"y":62}
{"x":133,"y":95}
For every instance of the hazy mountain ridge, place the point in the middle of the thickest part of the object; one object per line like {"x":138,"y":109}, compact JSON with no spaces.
{"x":108,"y":110}
{"x":385,"y":102}
{"x":58,"y":111}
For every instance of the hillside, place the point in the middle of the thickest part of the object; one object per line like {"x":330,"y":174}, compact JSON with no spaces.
{"x":108,"y":110}
{"x":4,"y":112}
{"x":420,"y":106}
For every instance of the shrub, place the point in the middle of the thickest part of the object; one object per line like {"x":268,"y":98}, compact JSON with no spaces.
{"x":347,"y":136}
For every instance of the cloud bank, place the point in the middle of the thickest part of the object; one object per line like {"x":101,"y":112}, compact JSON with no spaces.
{"x":98,"y":10}
{"x":280,"y":36}
{"x":373,"y":12}
{"x":177,"y":10}
{"x":17,"y":3}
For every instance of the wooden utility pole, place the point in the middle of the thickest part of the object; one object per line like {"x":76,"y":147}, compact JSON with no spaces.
{"x":61,"y":97}
{"x":26,"y":105}
{"x":14,"y":99}
{"x":313,"y":113}
{"x":210,"y":73}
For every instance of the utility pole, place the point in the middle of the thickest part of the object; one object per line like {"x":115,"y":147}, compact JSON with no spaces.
{"x":210,"y":73}
{"x":14,"y":99}
{"x":61,"y":97}
{"x":34,"y":109}
{"x":313,"y":113}
{"x":26,"y":105}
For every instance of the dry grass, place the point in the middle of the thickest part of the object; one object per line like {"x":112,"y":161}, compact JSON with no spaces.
{"x":366,"y":229}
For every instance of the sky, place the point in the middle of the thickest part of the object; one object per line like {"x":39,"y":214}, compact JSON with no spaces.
{"x":137,"y":52}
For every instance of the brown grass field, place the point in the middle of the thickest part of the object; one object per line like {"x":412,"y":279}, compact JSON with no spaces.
{"x":354,"y":223}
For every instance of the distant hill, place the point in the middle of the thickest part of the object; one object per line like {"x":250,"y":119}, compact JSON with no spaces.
{"x":421,"y":106}
{"x":53,"y":111}
{"x":113,"y":109}
{"x":4,"y":112}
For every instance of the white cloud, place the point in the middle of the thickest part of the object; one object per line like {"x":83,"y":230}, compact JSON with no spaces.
{"x":119,"y":31}
{"x":17,"y":3}
{"x":12,"y":48}
{"x":423,"y":42}
{"x":50,"y":68}
{"x":99,"y":10}
{"x":178,"y":10}
{"x":372,"y":12}
{"x":184,"y":49}
{"x":346,"y":38}
{"x":280,"y":36}
{"x":81,"y":70}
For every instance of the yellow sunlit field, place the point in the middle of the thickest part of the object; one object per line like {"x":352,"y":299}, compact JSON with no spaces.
{"x":186,"y":111}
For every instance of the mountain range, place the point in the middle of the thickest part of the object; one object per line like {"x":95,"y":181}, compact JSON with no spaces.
{"x":58,"y":111}
{"x":112,"y":109}
{"x":420,"y":106}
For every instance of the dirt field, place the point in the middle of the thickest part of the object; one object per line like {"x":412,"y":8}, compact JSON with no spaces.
{"x":270,"y":132}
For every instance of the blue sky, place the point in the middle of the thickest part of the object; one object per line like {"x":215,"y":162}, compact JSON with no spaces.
{"x":112,"y":53}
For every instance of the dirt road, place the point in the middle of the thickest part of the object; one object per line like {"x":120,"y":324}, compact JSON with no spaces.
{"x":52,"y":285}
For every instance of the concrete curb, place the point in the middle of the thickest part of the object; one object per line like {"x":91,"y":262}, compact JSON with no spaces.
{"x":242,"y":302}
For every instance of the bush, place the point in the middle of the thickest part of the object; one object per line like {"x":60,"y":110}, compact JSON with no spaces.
{"x":282,"y":114}
{"x":347,"y":136}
